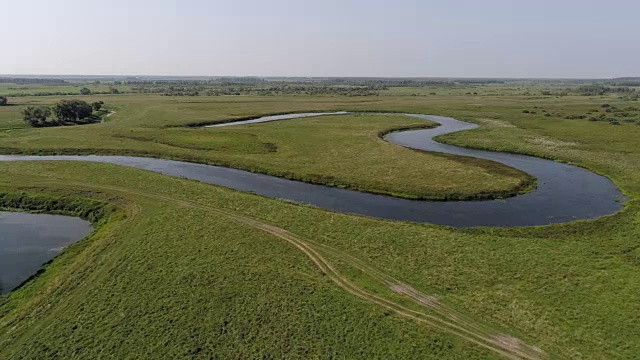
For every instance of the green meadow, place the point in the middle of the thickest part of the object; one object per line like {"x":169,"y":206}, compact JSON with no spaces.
{"x":182,"y":269}
{"x":344,"y":150}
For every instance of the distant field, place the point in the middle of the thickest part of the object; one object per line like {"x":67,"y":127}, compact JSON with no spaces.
{"x":34,"y":89}
{"x":187,"y":269}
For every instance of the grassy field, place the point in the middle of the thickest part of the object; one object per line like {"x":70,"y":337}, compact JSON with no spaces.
{"x":192,"y":286}
{"x":185,"y":269}
{"x":35,"y":89}
{"x":343,"y":151}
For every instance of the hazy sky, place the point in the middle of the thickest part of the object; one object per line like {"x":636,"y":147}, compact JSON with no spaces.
{"x":475,"y":38}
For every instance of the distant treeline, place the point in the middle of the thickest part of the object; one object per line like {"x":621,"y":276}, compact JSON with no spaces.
{"x":59,"y":93}
{"x":592,"y":90}
{"x":341,"y":86}
{"x":298,"y":86}
{"x":262,"y":91}
{"x":410,"y":82}
{"x":241,"y":80}
{"x":625,"y":83}
{"x":378,"y":82}
{"x":23,"y":81}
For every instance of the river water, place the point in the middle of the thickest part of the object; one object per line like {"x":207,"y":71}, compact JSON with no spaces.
{"x":564,"y":192}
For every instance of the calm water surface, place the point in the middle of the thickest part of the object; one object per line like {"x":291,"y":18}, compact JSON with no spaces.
{"x":564,"y":192}
{"x":27,"y":241}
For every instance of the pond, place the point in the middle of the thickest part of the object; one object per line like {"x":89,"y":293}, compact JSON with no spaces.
{"x":27,"y":241}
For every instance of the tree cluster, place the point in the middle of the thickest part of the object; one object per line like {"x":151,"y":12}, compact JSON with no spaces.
{"x":111,"y":90}
{"x":63,"y":113}
{"x":4,"y":101}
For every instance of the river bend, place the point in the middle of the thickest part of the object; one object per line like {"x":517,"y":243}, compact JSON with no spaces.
{"x":564,"y":192}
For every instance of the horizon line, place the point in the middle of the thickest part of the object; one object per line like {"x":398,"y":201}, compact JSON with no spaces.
{"x":316,"y":77}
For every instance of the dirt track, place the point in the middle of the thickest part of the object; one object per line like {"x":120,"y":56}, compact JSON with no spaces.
{"x":428,"y":310}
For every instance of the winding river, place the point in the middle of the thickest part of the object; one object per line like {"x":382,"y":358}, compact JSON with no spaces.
{"x":564,"y":192}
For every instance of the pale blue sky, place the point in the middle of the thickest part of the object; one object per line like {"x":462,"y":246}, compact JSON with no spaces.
{"x":463,"y":38}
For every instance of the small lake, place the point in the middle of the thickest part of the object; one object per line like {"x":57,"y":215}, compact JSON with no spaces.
{"x":27,"y":241}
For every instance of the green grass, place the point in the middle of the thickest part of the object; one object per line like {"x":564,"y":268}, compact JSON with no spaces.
{"x":161,"y":286}
{"x":34,"y":89}
{"x":178,"y":277}
{"x":344,"y":151}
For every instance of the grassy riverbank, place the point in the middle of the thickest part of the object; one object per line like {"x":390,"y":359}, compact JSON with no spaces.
{"x":344,"y":151}
{"x":197,"y":271}
{"x":197,"y":284}
{"x":161,"y":272}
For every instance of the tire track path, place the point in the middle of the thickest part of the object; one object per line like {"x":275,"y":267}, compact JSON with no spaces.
{"x":431,"y":312}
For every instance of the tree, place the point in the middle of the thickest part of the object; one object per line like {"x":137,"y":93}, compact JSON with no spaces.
{"x":4,"y":101}
{"x":85,"y":91}
{"x":113,"y":90}
{"x":97,"y":105}
{"x":72,"y":111}
{"x":36,"y":116}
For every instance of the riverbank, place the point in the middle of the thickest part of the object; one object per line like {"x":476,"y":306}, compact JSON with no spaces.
{"x":174,"y":259}
{"x":342,"y":151}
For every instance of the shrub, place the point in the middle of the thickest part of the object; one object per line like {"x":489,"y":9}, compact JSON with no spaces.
{"x":72,"y":110}
{"x":36,"y":116}
{"x":97,"y":105}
